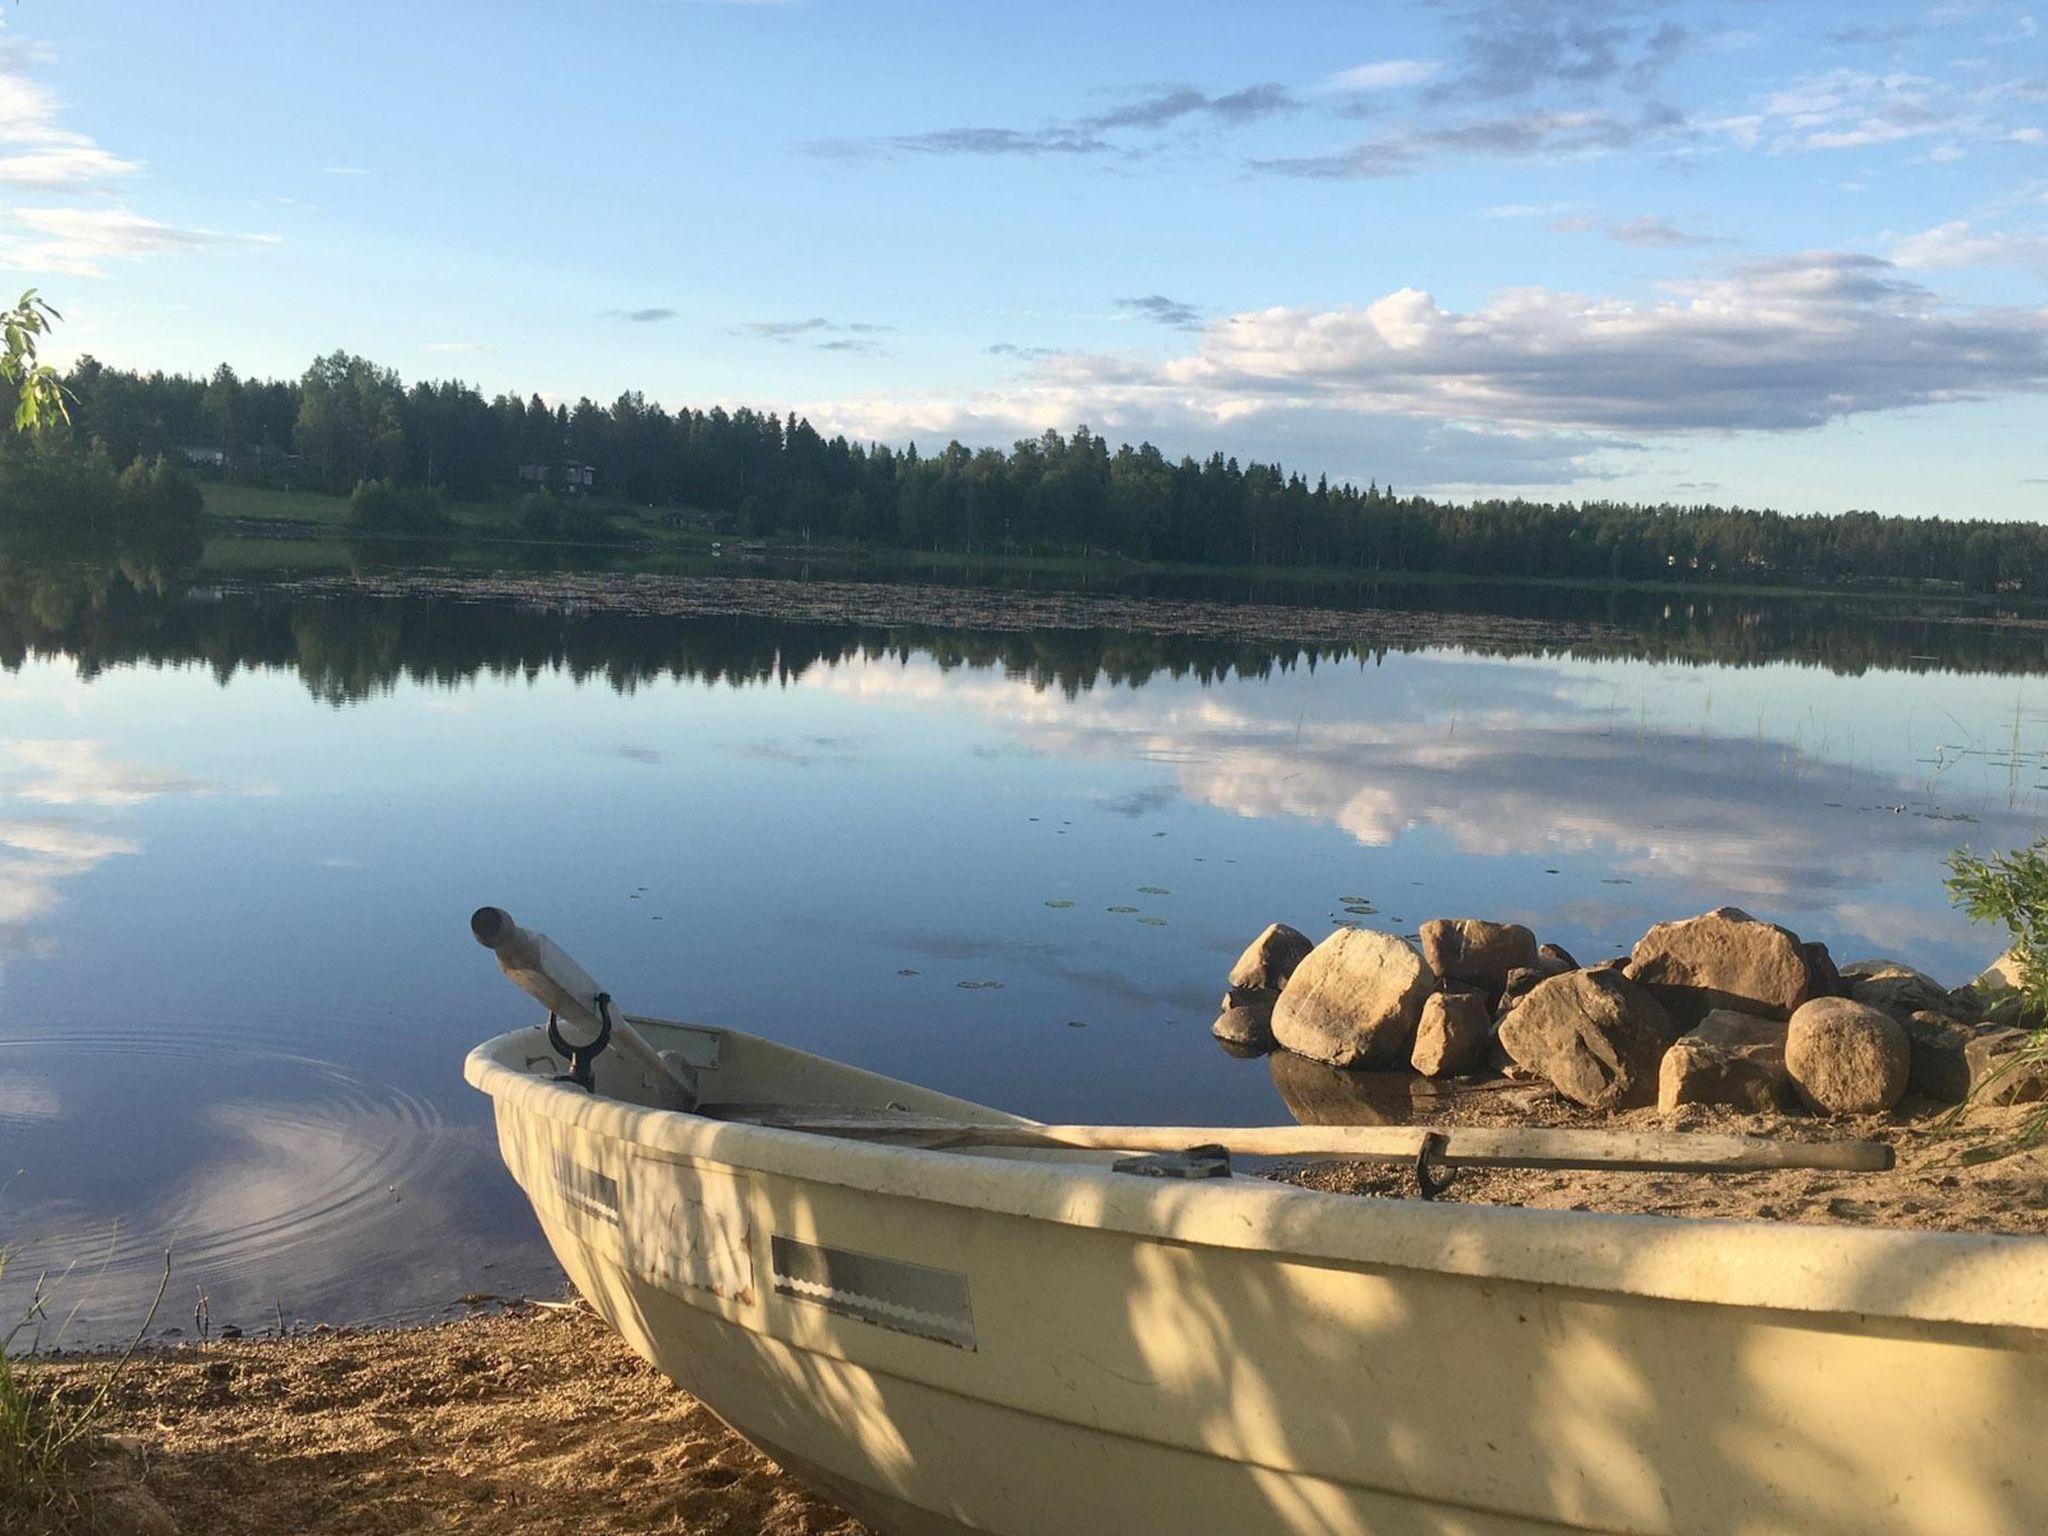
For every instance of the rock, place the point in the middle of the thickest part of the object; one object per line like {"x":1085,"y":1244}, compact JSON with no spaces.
{"x":1731,"y":1058}
{"x":1846,"y":1057}
{"x":1554,"y":960}
{"x":1827,"y":981}
{"x":1247,"y":1022}
{"x":1473,"y":950}
{"x":112,"y":1470}
{"x":1452,"y":1037}
{"x":1938,"y":1067}
{"x":1724,"y":959}
{"x":1895,"y":987}
{"x":1997,"y":1076}
{"x":1519,"y":985}
{"x":1270,"y":959}
{"x":1996,"y":997}
{"x":1596,"y":1035}
{"x":1355,"y":1001}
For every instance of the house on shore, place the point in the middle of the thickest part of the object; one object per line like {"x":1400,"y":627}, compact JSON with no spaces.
{"x":565,"y":479}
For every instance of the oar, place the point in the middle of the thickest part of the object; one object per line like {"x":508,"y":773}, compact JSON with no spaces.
{"x":587,"y":1017}
{"x":1455,"y":1146}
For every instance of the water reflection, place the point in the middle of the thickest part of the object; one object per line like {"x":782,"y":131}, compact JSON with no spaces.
{"x":239,"y":835}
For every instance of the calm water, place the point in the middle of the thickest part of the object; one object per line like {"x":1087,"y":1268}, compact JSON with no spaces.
{"x":239,"y":841}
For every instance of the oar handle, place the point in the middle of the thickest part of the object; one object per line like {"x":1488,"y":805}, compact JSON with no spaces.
{"x":541,"y":969}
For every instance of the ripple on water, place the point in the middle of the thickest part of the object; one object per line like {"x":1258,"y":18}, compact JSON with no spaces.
{"x":274,"y":1178}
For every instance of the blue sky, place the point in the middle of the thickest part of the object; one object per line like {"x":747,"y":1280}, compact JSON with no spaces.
{"x":1779,"y":254}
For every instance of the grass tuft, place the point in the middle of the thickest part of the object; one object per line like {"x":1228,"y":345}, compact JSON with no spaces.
{"x":44,"y":1437}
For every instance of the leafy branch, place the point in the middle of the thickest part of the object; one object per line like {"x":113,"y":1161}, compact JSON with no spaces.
{"x":2012,"y":889}
{"x":40,"y":397}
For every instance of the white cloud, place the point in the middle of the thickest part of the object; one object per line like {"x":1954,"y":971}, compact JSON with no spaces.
{"x":35,"y":149}
{"x":63,"y":166}
{"x":1384,"y":74}
{"x":1859,"y":109}
{"x":1959,"y":243}
{"x":1533,"y":381}
{"x":80,"y":240}
{"x":455,"y":346}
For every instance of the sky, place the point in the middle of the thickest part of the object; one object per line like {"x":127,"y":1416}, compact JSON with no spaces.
{"x":1769,"y":254}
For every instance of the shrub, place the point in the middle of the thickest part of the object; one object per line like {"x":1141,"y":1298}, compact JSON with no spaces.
{"x":378,"y":506}
{"x":160,"y":492}
{"x":2012,"y":889}
{"x":540,"y":515}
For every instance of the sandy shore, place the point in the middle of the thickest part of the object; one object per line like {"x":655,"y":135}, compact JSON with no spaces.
{"x":1935,"y":1187}
{"x":536,"y":1422}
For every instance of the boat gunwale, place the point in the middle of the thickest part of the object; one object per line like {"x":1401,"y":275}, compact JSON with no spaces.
{"x":1981,"y":1280}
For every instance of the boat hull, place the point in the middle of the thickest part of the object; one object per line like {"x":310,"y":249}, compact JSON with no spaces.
{"x":955,"y":1343}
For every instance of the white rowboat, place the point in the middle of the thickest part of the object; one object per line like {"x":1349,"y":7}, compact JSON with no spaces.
{"x":1024,"y":1340}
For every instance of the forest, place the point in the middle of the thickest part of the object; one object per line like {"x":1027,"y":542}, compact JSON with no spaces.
{"x":348,"y":422}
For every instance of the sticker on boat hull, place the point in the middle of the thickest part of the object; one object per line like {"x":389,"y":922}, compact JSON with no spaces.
{"x":908,"y":1298}
{"x":585,"y":1189}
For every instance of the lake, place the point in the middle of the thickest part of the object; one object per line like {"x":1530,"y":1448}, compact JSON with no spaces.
{"x":241,"y":835}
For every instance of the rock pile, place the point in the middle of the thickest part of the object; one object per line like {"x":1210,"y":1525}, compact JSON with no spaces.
{"x":1716,"y":1009}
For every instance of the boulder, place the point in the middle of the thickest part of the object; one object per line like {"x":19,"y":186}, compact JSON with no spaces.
{"x":1846,"y":1057}
{"x":1997,"y":996}
{"x":1827,"y":981}
{"x":1354,"y":1001}
{"x":1724,"y":959}
{"x":1246,"y":1020}
{"x":1554,"y":960}
{"x":1999,"y":1074}
{"x":1452,"y":1038}
{"x":1477,"y":952}
{"x":1519,"y":985}
{"x":1895,"y":987}
{"x":1938,"y":1065}
{"x":1731,"y":1058}
{"x":1270,"y":960}
{"x":1595,"y":1035}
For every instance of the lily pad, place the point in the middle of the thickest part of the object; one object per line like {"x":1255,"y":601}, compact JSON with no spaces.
{"x":1153,"y":922}
{"x":1153,"y":890}
{"x":1077,"y":1023}
{"x":979,"y":986}
{"x":907,"y":973}
{"x":1121,"y":909}
{"x":1059,"y":902}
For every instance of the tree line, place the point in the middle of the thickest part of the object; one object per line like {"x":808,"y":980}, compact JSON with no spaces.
{"x":348,"y":421}
{"x":117,"y":600}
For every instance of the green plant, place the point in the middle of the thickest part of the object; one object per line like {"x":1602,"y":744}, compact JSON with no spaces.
{"x":2012,"y":889}
{"x":42,"y":1433}
{"x":378,"y":506}
{"x":39,"y":397}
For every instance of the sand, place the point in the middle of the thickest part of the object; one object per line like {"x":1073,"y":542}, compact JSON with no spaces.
{"x":535,"y":1422}
{"x":1933,"y":1188}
